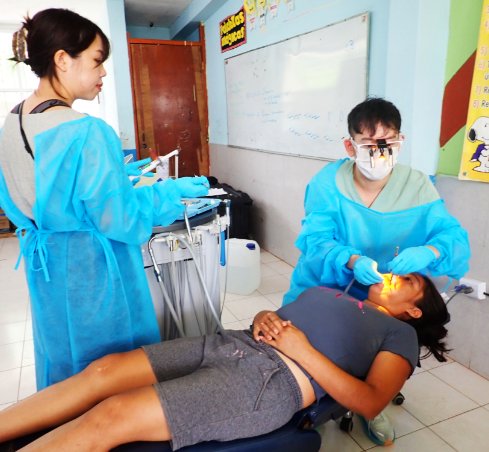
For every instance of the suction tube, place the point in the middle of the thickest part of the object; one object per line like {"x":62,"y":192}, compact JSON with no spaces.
{"x":173,"y":313}
{"x":199,"y":273}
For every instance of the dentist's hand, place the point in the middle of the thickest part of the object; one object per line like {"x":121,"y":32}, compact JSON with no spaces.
{"x":412,"y":260}
{"x":365,"y":271}
{"x":193,"y":187}
{"x":132,"y":169}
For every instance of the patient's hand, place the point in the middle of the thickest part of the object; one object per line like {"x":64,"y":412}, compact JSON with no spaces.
{"x":266,"y":322}
{"x":291,"y":341}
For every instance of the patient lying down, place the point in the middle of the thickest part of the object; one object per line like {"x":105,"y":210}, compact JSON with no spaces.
{"x":237,"y":384}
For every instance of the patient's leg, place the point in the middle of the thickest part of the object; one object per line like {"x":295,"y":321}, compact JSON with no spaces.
{"x":128,"y":417}
{"x":64,"y":401}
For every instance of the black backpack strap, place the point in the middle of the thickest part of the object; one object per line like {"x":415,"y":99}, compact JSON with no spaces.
{"x":26,"y":143}
{"x":46,"y":105}
{"x":42,"y":107}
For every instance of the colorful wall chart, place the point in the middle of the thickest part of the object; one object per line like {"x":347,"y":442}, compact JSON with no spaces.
{"x":475,"y":156}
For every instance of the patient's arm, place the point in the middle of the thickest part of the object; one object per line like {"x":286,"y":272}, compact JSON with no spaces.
{"x":368,"y":398}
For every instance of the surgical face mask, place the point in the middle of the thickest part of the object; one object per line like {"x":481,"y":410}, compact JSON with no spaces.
{"x":375,"y":161}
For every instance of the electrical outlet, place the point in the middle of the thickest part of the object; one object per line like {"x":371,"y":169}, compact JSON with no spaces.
{"x":478,"y":286}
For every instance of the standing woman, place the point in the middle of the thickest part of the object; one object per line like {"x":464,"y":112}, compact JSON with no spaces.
{"x":63,"y":182}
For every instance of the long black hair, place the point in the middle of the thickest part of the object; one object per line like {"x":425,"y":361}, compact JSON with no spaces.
{"x":430,"y":326}
{"x":52,"y":30}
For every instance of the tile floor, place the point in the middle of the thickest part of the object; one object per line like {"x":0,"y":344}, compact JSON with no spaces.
{"x":446,"y":407}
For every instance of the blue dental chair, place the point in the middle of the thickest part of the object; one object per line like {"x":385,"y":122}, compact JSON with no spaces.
{"x":298,"y":435}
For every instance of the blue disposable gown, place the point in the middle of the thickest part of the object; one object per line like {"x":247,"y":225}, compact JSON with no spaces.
{"x":83,"y":258}
{"x":336,"y":228}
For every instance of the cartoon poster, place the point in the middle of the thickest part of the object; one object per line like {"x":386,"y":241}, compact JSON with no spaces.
{"x":475,"y":156}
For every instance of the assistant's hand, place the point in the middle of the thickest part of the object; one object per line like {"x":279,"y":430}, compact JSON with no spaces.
{"x":411,"y":260}
{"x":193,"y":187}
{"x":132,"y":169}
{"x":365,"y":271}
{"x":265,"y":322}
{"x":291,"y":341}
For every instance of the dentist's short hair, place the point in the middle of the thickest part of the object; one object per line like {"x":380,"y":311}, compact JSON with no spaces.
{"x":371,"y":113}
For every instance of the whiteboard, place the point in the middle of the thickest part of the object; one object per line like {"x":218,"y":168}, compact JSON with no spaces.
{"x":294,"y":97}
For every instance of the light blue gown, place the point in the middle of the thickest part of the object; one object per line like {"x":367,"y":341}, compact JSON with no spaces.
{"x":336,"y":227}
{"x":82,"y":254}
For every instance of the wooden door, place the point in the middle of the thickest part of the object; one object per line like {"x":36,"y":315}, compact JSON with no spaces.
{"x":170,"y":102}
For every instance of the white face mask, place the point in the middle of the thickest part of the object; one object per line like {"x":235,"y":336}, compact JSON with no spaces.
{"x":382,"y":167}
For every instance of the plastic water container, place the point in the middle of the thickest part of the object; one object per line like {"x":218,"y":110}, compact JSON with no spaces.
{"x":243,"y":262}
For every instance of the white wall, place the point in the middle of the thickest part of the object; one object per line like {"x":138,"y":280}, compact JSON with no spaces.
{"x":12,"y":12}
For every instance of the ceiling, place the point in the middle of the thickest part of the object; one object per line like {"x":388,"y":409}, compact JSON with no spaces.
{"x":161,"y":12}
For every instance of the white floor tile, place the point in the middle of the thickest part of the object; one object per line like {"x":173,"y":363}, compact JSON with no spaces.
{"x":418,"y":370}
{"x":11,"y":356}
{"x":247,"y":322}
{"x":12,"y":332}
{"x":28,"y":355}
{"x":465,"y":381}
{"x":431,"y":362}
{"x":486,"y":407}
{"x":468,"y":432}
{"x":421,"y":441}
{"x":13,"y":313}
{"x":281,"y":267}
{"x":29,"y":312}
{"x":232,"y":296}
{"x":430,"y":400}
{"x":335,"y":440}
{"x":249,"y":307}
{"x":9,"y":385}
{"x":28,"y":330}
{"x":287,"y":276}
{"x":403,"y":423}
{"x":5,"y":405}
{"x":233,"y":326}
{"x":266,"y":257}
{"x":266,"y":271}
{"x":15,"y":297}
{"x":27,"y":382}
{"x":273,"y":284}
{"x":276,"y":298}
{"x":227,"y":317}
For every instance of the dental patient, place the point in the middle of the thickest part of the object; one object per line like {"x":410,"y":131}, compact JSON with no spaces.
{"x":238,"y":384}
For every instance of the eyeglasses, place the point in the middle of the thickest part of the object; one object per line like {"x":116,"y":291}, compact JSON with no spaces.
{"x":382,"y":148}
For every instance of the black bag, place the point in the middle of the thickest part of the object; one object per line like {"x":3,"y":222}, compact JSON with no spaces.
{"x":240,"y":209}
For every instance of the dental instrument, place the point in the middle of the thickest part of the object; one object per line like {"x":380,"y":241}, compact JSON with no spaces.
{"x":394,"y":277}
{"x":157,"y":162}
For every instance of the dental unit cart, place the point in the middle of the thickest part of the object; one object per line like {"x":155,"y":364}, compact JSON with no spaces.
{"x":187,"y":299}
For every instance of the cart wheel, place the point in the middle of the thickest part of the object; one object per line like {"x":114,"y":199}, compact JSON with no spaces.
{"x":398,"y":399}
{"x":346,"y":424}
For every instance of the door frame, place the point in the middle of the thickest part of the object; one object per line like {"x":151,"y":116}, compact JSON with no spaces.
{"x":200,"y":43}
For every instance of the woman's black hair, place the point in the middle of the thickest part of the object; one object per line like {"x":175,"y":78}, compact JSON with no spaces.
{"x":430,"y":326}
{"x":52,"y":30}
{"x":371,"y":113}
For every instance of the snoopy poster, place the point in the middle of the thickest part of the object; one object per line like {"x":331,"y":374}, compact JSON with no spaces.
{"x":475,"y":156}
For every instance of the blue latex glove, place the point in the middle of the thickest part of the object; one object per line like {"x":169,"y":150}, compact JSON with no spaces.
{"x":365,"y":271}
{"x":132,"y":169}
{"x":411,"y":260}
{"x":193,"y":187}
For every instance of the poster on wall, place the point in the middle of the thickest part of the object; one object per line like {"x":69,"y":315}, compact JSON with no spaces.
{"x":233,"y":31}
{"x":475,"y":156}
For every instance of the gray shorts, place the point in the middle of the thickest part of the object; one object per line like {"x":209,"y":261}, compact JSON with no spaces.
{"x":222,"y":387}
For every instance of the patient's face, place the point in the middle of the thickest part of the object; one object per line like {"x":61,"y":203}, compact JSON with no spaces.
{"x":397,"y":297}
